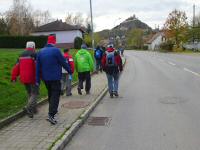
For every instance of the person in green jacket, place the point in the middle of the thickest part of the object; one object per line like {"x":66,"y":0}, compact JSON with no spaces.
{"x":84,"y":65}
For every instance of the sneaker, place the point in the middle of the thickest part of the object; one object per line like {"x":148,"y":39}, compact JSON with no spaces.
{"x":35,"y":110}
{"x":111,"y":95}
{"x":70,"y":94}
{"x":79,"y":91}
{"x":52,"y":120}
{"x":28,"y":112}
{"x":62,"y":93}
{"x":116,"y":94}
{"x":87,"y":92}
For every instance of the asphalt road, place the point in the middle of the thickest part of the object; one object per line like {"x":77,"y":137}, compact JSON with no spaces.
{"x":158,"y":108}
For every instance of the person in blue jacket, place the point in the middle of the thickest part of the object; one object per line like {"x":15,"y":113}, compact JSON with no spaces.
{"x":98,"y":54}
{"x":49,"y":67}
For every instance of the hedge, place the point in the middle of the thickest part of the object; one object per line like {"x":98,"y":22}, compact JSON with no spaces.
{"x":166,"y":46}
{"x":20,"y":41}
{"x":78,"y":42}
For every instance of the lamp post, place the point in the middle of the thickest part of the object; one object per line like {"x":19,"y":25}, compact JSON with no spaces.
{"x":92,"y":27}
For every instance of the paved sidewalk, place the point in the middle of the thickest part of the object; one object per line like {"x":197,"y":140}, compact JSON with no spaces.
{"x":39,"y":134}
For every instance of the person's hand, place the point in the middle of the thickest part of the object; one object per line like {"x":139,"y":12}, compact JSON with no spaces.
{"x":70,"y":77}
{"x":13,"y":81}
{"x":37,"y":84}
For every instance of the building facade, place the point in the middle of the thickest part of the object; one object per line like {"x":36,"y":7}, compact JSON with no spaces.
{"x":65,"y":33}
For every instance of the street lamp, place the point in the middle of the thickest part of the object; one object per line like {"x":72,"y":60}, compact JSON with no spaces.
{"x":92,"y":24}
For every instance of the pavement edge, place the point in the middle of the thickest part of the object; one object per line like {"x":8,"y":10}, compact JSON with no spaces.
{"x":67,"y":136}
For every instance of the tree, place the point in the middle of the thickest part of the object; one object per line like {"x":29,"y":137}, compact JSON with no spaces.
{"x":74,"y":19}
{"x":19,"y":18}
{"x":88,"y":28}
{"x":41,"y":18}
{"x":135,"y":38}
{"x":3,"y":25}
{"x":176,"y":27}
{"x":78,"y":42}
{"x":197,"y":20}
{"x":193,"y":34}
{"x":88,"y":39}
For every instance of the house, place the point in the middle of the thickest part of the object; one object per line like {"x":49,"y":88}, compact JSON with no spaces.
{"x":65,"y":33}
{"x":154,"y":42}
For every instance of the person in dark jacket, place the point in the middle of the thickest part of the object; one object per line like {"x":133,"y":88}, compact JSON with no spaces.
{"x":25,"y":68}
{"x":49,"y":67}
{"x":112,"y":65}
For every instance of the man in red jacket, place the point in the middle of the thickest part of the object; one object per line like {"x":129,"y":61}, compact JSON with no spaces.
{"x":26,"y":69}
{"x":66,"y":81}
{"x":112,"y":65}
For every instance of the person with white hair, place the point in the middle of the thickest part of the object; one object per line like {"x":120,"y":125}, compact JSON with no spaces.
{"x":25,"y":68}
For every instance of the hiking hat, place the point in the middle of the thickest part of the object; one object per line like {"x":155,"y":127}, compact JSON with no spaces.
{"x":30,"y":45}
{"x":84,"y":46}
{"x":51,"y":39}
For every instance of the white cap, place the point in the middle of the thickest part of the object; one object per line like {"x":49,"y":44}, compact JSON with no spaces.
{"x":30,"y":44}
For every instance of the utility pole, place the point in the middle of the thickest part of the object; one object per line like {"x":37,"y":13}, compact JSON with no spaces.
{"x":92,"y":24}
{"x":193,"y":26}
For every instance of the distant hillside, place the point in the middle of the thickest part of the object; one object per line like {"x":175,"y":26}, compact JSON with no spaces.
{"x":124,"y":27}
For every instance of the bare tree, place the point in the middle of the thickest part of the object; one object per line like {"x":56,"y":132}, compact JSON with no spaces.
{"x":3,"y":25}
{"x":19,"y":18}
{"x":41,"y":18}
{"x":76,"y":19}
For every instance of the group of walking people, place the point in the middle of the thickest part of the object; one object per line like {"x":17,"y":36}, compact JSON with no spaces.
{"x":110,"y":62}
{"x":56,"y":70}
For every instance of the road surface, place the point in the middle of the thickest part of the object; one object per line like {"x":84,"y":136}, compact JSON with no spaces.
{"x":158,"y":108}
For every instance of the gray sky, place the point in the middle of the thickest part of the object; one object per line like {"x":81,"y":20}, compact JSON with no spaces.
{"x":108,"y":12}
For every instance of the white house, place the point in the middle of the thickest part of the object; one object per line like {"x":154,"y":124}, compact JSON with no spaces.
{"x":155,"y":41}
{"x":65,"y":33}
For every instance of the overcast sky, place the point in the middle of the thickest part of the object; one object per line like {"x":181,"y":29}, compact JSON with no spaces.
{"x":107,"y":12}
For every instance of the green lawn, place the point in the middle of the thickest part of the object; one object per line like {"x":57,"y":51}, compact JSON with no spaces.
{"x":13,"y":96}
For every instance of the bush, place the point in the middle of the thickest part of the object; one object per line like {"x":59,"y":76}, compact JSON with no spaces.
{"x":78,"y":42}
{"x":167,"y":46}
{"x":20,"y":41}
{"x":145,"y":47}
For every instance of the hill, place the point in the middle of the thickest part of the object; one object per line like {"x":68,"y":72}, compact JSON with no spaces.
{"x":124,"y":27}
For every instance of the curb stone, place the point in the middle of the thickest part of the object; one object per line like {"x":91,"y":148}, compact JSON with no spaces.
{"x":60,"y":144}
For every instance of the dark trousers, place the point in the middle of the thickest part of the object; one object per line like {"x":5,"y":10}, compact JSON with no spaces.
{"x":33,"y":92}
{"x":84,"y":76}
{"x":54,"y":90}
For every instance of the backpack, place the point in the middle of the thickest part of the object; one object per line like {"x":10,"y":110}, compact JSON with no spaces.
{"x":98,"y":54}
{"x":110,"y":59}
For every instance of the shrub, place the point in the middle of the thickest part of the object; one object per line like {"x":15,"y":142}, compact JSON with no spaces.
{"x":78,"y":42}
{"x":20,"y":41}
{"x":167,"y":46}
{"x":145,"y":47}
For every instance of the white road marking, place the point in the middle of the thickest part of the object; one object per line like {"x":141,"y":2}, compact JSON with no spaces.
{"x":188,"y":70}
{"x":171,"y":63}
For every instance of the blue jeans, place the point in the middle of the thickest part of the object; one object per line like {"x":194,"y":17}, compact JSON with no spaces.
{"x":98,"y":64}
{"x":113,"y":82}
